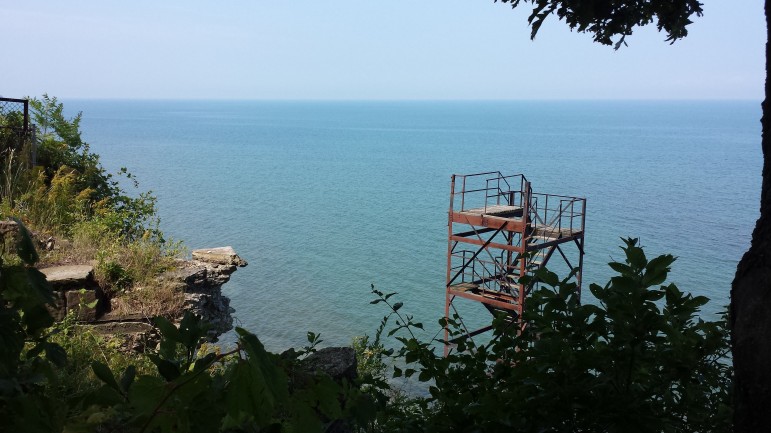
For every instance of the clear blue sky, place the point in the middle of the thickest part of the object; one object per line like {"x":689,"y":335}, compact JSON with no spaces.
{"x":354,"y":49}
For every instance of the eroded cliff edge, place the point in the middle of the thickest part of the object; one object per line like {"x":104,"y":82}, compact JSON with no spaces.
{"x":198,"y":280}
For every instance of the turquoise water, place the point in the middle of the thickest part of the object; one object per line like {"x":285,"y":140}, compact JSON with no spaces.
{"x":324,"y":198}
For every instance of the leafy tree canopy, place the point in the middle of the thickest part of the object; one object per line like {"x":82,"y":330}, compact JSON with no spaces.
{"x":609,"y":19}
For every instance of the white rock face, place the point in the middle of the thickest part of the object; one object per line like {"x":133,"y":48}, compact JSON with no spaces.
{"x":68,"y":275}
{"x":219,"y":255}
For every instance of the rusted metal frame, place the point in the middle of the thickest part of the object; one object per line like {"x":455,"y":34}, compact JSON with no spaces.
{"x":527,"y":196}
{"x":527,"y":288}
{"x":473,"y":232}
{"x":481,"y":277}
{"x":450,"y":248}
{"x":471,"y":334}
{"x":506,"y":247}
{"x":569,"y":197}
{"x":462,"y":194}
{"x":474,"y":274}
{"x":564,"y":257}
{"x":558,"y":218}
{"x":450,"y":281}
{"x":487,"y":246}
{"x":492,"y":277}
{"x":579,"y":274}
{"x":572,"y":213}
{"x":460,"y":318}
{"x":509,"y":255}
{"x":561,"y":240}
{"x":581,"y":248}
{"x":485,"y":300}
{"x":511,"y":224}
{"x":487,"y":193}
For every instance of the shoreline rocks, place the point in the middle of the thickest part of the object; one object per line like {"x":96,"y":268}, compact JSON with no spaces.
{"x":200,"y":280}
{"x":203,"y":278}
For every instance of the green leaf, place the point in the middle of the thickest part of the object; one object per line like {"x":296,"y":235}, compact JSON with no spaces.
{"x":267,"y":384}
{"x":56,"y":354}
{"x":304,"y":418}
{"x":191,"y":330}
{"x":25,"y":248}
{"x":146,"y":393}
{"x":167,"y":369}
{"x":204,"y":362}
{"x":327,"y":392}
{"x":168,"y":330}
{"x":247,"y":396}
{"x":621,"y":268}
{"x":37,"y":318}
{"x":104,"y":373}
{"x":425,"y":376}
{"x":636,"y":257}
{"x":127,"y":378}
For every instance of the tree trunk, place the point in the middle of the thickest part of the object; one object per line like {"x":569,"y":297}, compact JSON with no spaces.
{"x":750,"y":313}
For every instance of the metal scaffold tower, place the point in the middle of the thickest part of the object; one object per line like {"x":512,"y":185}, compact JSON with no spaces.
{"x":500,"y":231}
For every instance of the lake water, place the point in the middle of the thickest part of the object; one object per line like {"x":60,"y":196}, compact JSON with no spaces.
{"x":324,"y":198}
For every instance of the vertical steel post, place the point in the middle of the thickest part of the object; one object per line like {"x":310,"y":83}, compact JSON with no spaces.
{"x":524,"y":239}
{"x":579,"y":274}
{"x":26,"y":116}
{"x":447,"y":297}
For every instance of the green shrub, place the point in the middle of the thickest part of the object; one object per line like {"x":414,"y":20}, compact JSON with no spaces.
{"x":641,"y":360}
{"x":174,"y":388}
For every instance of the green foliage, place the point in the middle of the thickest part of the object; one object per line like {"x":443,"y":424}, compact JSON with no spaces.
{"x":641,"y":360}
{"x":369,"y":357}
{"x":68,"y":184}
{"x":615,"y":18}
{"x":76,"y":380}
{"x":28,"y":360}
{"x":186,"y":390}
{"x":251,"y":390}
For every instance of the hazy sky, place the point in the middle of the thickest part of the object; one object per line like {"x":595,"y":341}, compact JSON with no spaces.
{"x":359,"y":49}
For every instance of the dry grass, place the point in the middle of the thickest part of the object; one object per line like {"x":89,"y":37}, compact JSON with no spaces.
{"x":126,"y":271}
{"x":160,"y":299}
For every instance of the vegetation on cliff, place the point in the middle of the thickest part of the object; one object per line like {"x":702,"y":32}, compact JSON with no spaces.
{"x":641,"y":359}
{"x":75,"y":207}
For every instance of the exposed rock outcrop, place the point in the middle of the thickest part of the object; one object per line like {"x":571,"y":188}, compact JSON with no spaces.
{"x":338,"y":362}
{"x":199,"y":279}
{"x":75,"y":290}
{"x":202,"y":278}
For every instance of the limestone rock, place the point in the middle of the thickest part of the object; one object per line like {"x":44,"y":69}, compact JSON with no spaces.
{"x":214,"y":308}
{"x":201,"y":280}
{"x":113,"y":316}
{"x":338,"y":362}
{"x":135,"y":336}
{"x":122,"y":328}
{"x":70,"y":276}
{"x":219,"y":255}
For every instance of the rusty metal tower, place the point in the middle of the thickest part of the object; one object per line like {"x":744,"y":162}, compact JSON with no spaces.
{"x":500,"y":231}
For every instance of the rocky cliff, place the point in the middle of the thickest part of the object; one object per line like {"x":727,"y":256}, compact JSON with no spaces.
{"x":199,"y":280}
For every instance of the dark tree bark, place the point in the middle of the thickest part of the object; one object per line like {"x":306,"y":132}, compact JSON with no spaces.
{"x":750,"y":314}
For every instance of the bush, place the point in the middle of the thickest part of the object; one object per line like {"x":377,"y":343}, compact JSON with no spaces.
{"x":641,"y":360}
{"x":176,"y":388}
